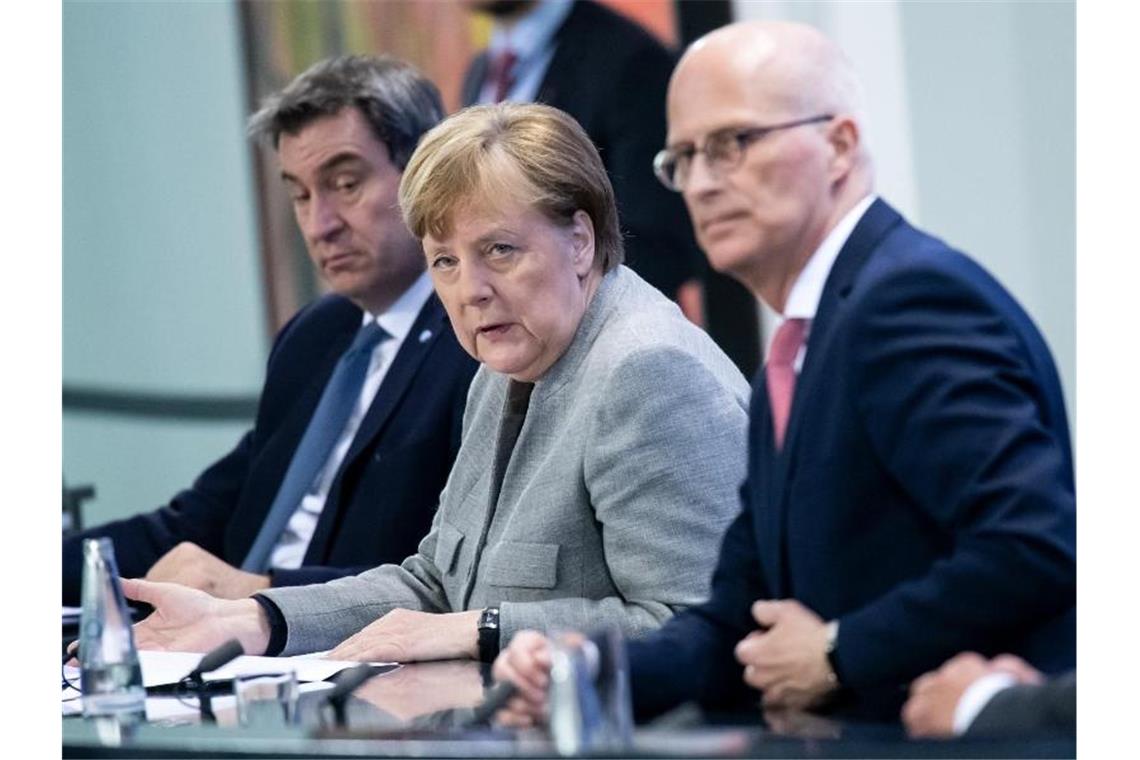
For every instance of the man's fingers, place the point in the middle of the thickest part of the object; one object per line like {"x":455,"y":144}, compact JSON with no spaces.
{"x":774,"y":696}
{"x":521,"y":711}
{"x":750,"y":677}
{"x":1018,"y":668}
{"x":913,"y":716}
{"x":511,"y":719}
{"x":923,"y":682}
{"x":749,"y":649}
{"x":532,"y":685}
{"x":758,"y":678}
{"x":964,"y":660}
{"x":527,"y":661}
{"x":766,"y":613}
{"x":529,"y":641}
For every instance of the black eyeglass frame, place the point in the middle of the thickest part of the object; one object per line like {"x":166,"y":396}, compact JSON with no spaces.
{"x":744,"y":137}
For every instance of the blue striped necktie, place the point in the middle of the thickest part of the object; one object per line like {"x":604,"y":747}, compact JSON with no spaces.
{"x":336,"y":404}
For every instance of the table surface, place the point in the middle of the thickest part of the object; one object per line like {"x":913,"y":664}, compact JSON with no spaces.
{"x":417,"y":710}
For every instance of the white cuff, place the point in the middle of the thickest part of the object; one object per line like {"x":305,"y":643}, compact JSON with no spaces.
{"x":976,"y":696}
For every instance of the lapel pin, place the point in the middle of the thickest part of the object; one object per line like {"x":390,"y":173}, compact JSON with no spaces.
{"x":425,"y":336}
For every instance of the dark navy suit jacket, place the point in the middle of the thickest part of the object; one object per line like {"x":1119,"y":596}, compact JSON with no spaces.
{"x":386,"y":491}
{"x":611,"y":75}
{"x":924,"y":497}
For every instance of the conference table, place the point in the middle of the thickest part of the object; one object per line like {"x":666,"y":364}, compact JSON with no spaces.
{"x":421,"y":710}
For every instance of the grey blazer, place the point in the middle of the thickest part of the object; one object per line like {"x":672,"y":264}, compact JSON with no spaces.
{"x":622,"y":482}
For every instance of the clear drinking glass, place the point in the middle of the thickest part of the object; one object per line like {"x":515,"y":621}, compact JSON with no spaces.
{"x":267,"y":700}
{"x":589,"y":693}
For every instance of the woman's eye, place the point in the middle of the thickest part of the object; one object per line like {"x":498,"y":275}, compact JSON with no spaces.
{"x":502,"y":249}
{"x":442,"y":262}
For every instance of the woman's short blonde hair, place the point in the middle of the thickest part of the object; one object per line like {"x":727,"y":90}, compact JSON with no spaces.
{"x":530,"y":154}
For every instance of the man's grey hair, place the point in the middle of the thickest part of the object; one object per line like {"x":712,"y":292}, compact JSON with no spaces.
{"x":397,"y":101}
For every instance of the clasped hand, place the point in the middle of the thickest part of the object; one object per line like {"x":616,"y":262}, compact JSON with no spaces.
{"x":787,"y":659}
{"x":934,"y":696}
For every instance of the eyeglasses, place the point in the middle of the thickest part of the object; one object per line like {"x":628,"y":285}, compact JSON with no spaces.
{"x":723,"y":151}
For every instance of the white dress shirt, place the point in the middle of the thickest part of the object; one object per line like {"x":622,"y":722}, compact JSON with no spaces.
{"x":530,"y":38}
{"x":397,"y":322}
{"x":803,"y":300}
{"x":978,"y":695}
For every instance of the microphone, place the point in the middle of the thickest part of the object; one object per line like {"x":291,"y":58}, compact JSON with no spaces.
{"x":497,"y":696}
{"x":193,"y":683}
{"x":215,"y":659}
{"x":348,"y":681}
{"x":468,"y":719}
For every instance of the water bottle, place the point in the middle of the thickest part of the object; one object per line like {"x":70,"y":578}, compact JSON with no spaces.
{"x":109,"y":674}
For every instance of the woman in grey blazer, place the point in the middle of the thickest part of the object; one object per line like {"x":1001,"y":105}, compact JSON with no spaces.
{"x":603,"y":442}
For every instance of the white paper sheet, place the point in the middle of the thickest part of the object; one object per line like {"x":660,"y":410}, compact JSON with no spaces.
{"x":170,"y":667}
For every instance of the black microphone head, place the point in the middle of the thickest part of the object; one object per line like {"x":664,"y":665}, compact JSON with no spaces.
{"x":494,"y":699}
{"x":349,"y":680}
{"x":216,"y":658}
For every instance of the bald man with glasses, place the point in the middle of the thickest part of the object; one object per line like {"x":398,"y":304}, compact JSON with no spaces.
{"x":910,"y":487}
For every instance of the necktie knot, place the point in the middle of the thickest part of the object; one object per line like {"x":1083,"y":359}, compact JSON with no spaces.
{"x":503,"y":73}
{"x":787,"y":342}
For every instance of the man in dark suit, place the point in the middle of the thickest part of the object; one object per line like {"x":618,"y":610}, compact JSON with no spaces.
{"x":359,"y":419}
{"x":1003,"y":697}
{"x":610,"y":74}
{"x":910,"y":488}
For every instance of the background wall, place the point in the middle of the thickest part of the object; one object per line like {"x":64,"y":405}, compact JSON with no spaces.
{"x":160,"y":287}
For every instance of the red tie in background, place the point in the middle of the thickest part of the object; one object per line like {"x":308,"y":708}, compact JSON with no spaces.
{"x":781,"y":373}
{"x":502,"y":73}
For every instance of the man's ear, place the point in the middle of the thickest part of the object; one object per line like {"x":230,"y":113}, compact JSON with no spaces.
{"x":582,"y":239}
{"x":844,"y":136}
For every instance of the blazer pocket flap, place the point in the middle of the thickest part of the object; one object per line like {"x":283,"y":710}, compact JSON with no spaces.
{"x":522,"y":565}
{"x":447,"y":546}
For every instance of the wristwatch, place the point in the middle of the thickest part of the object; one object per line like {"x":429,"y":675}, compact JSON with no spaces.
{"x":832,"y":639}
{"x":489,"y":634}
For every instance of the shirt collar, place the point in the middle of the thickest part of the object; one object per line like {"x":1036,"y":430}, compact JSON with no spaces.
{"x":531,"y":33}
{"x":398,"y":319}
{"x":803,"y":300}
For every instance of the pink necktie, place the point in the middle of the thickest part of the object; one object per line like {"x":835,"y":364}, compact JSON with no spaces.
{"x":781,"y":373}
{"x":502,"y":73}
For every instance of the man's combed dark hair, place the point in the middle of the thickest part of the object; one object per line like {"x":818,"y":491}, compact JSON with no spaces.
{"x":399,"y":103}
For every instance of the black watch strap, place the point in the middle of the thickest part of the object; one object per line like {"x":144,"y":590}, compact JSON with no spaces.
{"x":489,"y":634}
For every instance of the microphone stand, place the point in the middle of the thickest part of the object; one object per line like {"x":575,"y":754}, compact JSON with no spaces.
{"x":195,"y":684}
